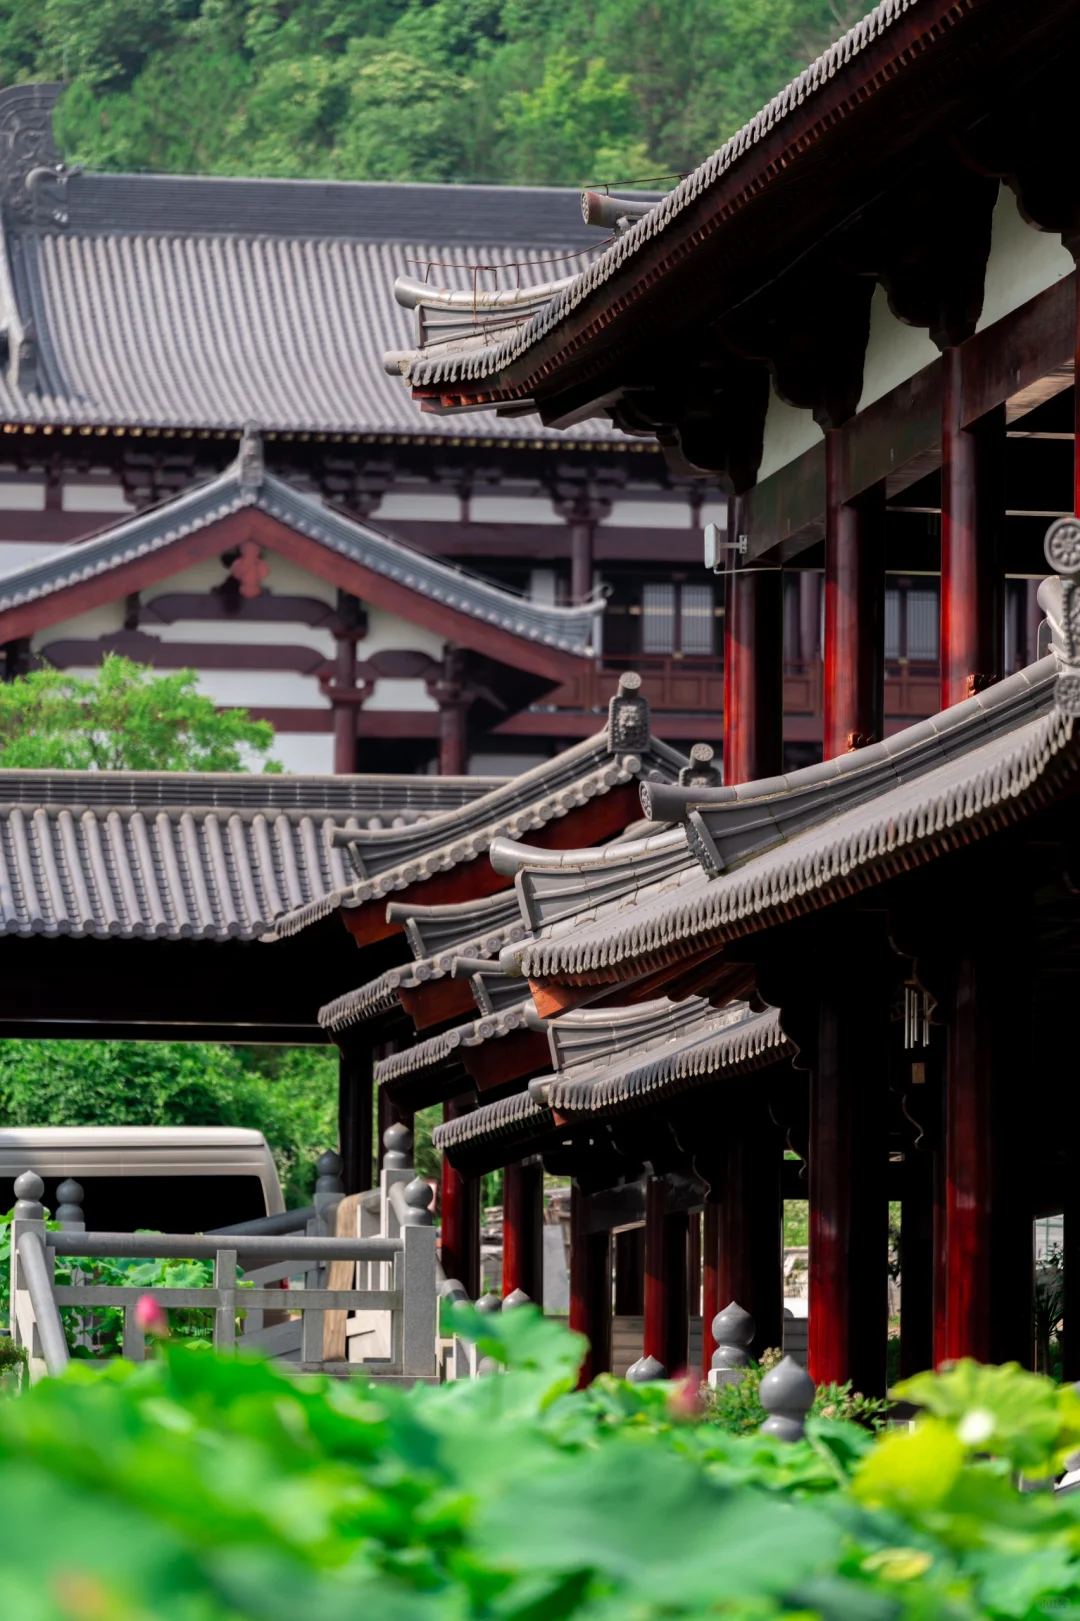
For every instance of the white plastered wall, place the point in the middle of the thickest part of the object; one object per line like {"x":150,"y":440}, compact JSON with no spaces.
{"x":1022,"y":263}
{"x":270,"y":689}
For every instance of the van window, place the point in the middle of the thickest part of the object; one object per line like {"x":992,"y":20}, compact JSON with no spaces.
{"x":165,"y":1204}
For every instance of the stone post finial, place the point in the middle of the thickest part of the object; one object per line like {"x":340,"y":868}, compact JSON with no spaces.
{"x":489,"y":1303}
{"x":69,"y":1206}
{"x":397,"y":1148}
{"x":645,"y":1370}
{"x":28,"y":1190}
{"x":418,"y":1196}
{"x":787,"y":1395}
{"x":733,"y":1330}
{"x":516,"y":1297}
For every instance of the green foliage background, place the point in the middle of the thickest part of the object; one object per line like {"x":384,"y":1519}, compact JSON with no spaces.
{"x":528,"y":91}
{"x":289,"y":1094}
{"x":204,"y":1488}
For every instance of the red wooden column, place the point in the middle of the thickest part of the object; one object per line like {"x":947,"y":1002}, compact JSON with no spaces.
{"x":972,"y":523}
{"x":968,"y":1169}
{"x":988,"y":1264}
{"x":460,"y":1212}
{"x":590,"y":1286}
{"x":667,"y":1322}
{"x":750,"y":1258}
{"x":848,"y":1202}
{"x":854,"y":609}
{"x":523,"y":1237}
{"x":753,"y":671}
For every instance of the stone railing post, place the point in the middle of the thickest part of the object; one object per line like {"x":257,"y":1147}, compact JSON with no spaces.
{"x":69,"y":1207}
{"x":733,"y":1330}
{"x":419,"y":1289}
{"x":28,"y":1218}
{"x":787,"y":1395}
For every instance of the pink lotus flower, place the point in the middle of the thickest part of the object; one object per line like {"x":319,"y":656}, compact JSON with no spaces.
{"x":152,"y":1318}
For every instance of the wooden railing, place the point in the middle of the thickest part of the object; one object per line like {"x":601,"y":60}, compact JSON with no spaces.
{"x":696,"y":686}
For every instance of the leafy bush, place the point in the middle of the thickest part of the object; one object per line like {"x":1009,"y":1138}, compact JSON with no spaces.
{"x":737,"y":1407}
{"x":198,"y":1488}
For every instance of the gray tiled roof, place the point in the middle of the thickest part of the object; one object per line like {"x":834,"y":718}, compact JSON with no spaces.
{"x":169,"y":302}
{"x":395,"y":861}
{"x":246,"y":484}
{"x":483,"y":362}
{"x":638,"y":1057}
{"x":181,"y":855}
{"x":978,"y":764}
{"x":434,"y":1065}
{"x":439,"y":937}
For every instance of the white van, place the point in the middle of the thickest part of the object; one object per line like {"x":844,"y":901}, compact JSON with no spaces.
{"x":170,"y":1179}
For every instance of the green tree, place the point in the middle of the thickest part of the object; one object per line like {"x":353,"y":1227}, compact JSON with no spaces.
{"x":125,"y":718}
{"x":132,"y":1083}
{"x":496,"y":90}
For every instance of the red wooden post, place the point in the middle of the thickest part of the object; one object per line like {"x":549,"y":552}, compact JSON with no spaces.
{"x":590,"y":1287}
{"x":753,"y":671}
{"x":854,"y":609}
{"x":968,"y":1169}
{"x":523,"y":1215}
{"x":666,"y":1307}
{"x":750,"y":1259}
{"x":848,"y":1203}
{"x":460,"y":1211}
{"x":972,"y":519}
{"x":710,"y":1281}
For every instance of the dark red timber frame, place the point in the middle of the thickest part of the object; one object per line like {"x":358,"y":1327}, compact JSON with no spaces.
{"x":523,"y":1230}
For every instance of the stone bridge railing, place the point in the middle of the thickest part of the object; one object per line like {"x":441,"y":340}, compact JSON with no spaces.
{"x":378,"y":1278}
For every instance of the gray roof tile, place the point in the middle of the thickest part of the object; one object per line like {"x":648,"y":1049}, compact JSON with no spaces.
{"x":185,"y":855}
{"x":176,"y":302}
{"x":858,"y":839}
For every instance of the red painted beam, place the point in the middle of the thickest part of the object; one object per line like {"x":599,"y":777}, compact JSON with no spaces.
{"x":854,"y":610}
{"x":437,"y":1001}
{"x":972,"y":520}
{"x":523,"y":1230}
{"x":510,"y":1058}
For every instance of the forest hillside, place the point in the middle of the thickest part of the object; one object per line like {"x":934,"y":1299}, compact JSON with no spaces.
{"x":527,"y":91}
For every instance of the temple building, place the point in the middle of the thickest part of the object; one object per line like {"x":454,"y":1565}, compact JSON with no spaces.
{"x":831,"y":962}
{"x":846,"y":981}
{"x":147,"y":320}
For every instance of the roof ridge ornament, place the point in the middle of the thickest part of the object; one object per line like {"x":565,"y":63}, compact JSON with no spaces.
{"x":1060,"y":600}
{"x":250,"y":464}
{"x":629,"y":726}
{"x":33,"y":174}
